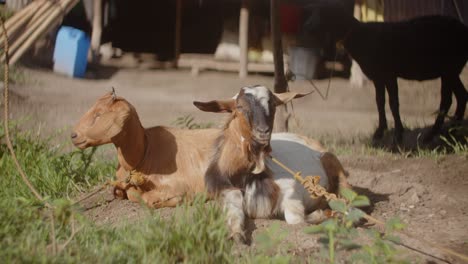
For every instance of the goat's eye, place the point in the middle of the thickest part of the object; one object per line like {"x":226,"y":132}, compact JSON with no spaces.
{"x":96,"y":115}
{"x":239,"y":107}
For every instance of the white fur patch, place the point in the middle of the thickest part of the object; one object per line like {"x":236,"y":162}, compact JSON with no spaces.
{"x":233,"y":205}
{"x":261,"y":94}
{"x":256,"y":206}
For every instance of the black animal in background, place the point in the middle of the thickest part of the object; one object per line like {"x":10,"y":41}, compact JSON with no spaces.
{"x":422,"y":48}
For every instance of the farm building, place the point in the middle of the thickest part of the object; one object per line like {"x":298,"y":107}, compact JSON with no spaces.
{"x":230,"y":35}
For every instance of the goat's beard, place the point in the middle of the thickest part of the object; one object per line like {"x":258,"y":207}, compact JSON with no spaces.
{"x":257,"y":154}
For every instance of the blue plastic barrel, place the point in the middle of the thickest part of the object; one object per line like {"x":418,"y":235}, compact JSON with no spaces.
{"x":71,"y":52}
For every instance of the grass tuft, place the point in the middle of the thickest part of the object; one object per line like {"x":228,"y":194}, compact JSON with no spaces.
{"x":193,"y":234}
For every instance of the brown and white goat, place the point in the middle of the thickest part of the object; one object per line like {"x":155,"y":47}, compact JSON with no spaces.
{"x":249,"y":186}
{"x":169,"y":162}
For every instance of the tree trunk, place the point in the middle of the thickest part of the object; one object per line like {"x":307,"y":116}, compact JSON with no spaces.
{"x":281,"y":85}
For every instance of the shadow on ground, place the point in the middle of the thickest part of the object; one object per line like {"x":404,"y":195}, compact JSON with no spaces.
{"x":454,"y":135}
{"x":100,"y":72}
{"x":373,"y":197}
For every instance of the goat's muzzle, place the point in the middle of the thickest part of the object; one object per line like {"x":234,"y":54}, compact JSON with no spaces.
{"x":261,"y":136}
{"x":79,"y":142}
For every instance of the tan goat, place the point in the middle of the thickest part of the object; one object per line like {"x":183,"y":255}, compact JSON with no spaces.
{"x":159,"y":165}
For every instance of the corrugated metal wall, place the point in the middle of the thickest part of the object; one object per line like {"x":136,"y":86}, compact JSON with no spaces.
{"x":397,"y":10}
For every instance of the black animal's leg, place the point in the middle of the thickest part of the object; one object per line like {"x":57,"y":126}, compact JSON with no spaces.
{"x":445,"y":103}
{"x":380,"y":99}
{"x":462,"y":97}
{"x":392,"y":88}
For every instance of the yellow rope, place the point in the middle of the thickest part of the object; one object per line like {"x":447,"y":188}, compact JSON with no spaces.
{"x":311,"y":184}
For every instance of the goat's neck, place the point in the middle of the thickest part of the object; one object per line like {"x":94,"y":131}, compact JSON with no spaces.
{"x":352,"y":29}
{"x":131,"y":145}
{"x":233,"y":153}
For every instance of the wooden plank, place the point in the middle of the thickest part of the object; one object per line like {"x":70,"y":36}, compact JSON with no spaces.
{"x":281,"y":85}
{"x":244,"y":39}
{"x":97,"y":30}
{"x":178,"y":26}
{"x":199,"y":62}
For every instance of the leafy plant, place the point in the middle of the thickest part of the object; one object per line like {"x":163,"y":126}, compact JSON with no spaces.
{"x":457,"y":140}
{"x":54,"y":174}
{"x":188,"y":121}
{"x":30,"y":233}
{"x":268,"y":243}
{"x":339,"y":232}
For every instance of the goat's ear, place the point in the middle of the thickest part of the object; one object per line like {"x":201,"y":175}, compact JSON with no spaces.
{"x":284,"y":98}
{"x":216,"y":106}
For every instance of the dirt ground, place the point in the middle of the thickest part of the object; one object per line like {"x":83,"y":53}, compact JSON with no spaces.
{"x":430,"y":194}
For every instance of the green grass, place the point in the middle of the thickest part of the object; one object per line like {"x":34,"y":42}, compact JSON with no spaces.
{"x":194,"y":234}
{"x":53,"y":173}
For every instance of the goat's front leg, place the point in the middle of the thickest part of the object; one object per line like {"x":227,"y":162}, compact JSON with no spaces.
{"x":380,"y":99}
{"x":163,"y":197}
{"x":232,"y":200}
{"x":392,"y":88}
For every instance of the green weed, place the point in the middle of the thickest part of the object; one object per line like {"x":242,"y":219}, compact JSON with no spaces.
{"x":52,"y":172}
{"x":29,"y":233}
{"x":339,"y":233}
{"x":188,"y":122}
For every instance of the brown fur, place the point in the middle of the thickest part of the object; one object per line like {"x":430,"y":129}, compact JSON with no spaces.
{"x":173,"y":164}
{"x":337,"y":175}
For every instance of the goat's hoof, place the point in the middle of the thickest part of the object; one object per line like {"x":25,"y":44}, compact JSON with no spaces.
{"x":397,"y":141}
{"x":378,"y":134}
{"x":429,"y":137}
{"x":119,"y":193}
{"x":239,"y":238}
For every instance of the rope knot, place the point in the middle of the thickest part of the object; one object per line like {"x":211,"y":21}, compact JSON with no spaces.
{"x":135,"y":178}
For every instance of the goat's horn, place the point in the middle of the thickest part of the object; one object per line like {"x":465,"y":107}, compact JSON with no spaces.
{"x":113,"y":93}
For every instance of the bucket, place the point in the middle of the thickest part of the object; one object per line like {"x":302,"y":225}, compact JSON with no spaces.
{"x":71,"y":52}
{"x":303,"y":62}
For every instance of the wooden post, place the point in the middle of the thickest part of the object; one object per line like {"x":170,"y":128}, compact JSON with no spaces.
{"x":97,"y":30}
{"x":281,"y":85}
{"x":178,"y":26}
{"x":244,"y":39}
{"x":357,"y":78}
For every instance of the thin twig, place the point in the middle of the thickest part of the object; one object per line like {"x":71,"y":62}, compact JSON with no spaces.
{"x":52,"y":230}
{"x":74,"y":232}
{"x":6,"y":118}
{"x":91,"y":194}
